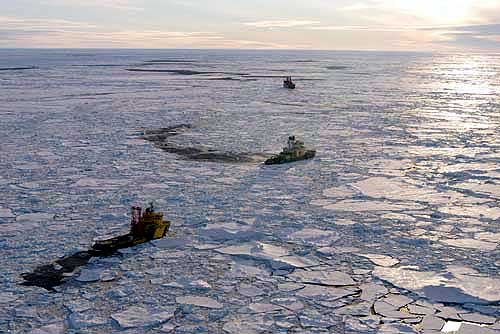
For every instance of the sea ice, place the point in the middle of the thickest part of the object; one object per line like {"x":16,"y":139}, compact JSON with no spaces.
{"x":34,"y":217}
{"x":341,"y":192}
{"x":430,"y":322}
{"x":451,"y":286}
{"x":331,"y":278}
{"x":56,"y":328}
{"x":89,"y":275}
{"x":318,"y":292}
{"x":84,"y":320}
{"x":363,"y":206}
{"x":199,"y":301}
{"x":264,"y":307}
{"x":315,"y":237}
{"x":476,"y":211}
{"x":6,"y":213}
{"x":372,"y":291}
{"x":247,"y":324}
{"x":451,"y":326}
{"x":136,"y":316}
{"x":471,"y":243}
{"x":380,"y":260}
{"x":478,"y":318}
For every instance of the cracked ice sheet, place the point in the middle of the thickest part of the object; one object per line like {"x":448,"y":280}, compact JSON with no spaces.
{"x":6,"y":213}
{"x":398,"y":189}
{"x":276,"y":256}
{"x":315,"y":237}
{"x":489,"y":189}
{"x":471,"y":243}
{"x":365,"y":206}
{"x":100,"y":183}
{"x":472,"y":166}
{"x":380,"y":260}
{"x":457,"y":284}
{"x":331,"y":278}
{"x":476,"y":211}
{"x":136,"y":316}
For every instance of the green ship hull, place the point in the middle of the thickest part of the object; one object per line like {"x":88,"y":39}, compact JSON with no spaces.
{"x":284,"y":158}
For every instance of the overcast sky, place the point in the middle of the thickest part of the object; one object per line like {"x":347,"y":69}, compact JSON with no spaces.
{"x":414,"y":25}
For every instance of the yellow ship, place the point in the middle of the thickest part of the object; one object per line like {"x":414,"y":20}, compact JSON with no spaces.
{"x":143,"y":228}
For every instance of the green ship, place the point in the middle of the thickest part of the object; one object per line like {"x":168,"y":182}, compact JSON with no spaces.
{"x":294,"y":151}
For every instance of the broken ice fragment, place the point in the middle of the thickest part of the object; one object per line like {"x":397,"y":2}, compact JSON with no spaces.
{"x":264,"y":307}
{"x":332,"y":278}
{"x":57,"y":328}
{"x":471,"y":243}
{"x":380,"y":260}
{"x":136,"y":316}
{"x":323,"y":292}
{"x":88,"y":275}
{"x":432,"y":323}
{"x":199,"y":301}
{"x":372,"y":291}
{"x":478,"y":318}
{"x":6,"y":213}
{"x":315,"y":237}
{"x":451,"y":326}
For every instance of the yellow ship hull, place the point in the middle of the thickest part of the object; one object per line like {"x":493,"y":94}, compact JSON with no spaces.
{"x":128,"y":240}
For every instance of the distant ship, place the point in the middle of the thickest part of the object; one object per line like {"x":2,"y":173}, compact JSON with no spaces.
{"x":294,"y":151}
{"x":288,"y":83}
{"x":143,"y":228}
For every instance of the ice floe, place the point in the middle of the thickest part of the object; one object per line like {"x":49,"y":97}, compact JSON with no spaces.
{"x":314,"y":237}
{"x":471,"y":243}
{"x":380,"y":260}
{"x":137,"y":316}
{"x":199,"y":301}
{"x":322,"y":277}
{"x":448,"y":286}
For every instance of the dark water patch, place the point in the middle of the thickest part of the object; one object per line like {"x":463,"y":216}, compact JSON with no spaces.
{"x":99,"y":65}
{"x":81,"y":54}
{"x":337,"y":67}
{"x":51,"y":275}
{"x":297,"y":61}
{"x":159,"y":138}
{"x":286,"y":103}
{"x":88,"y":94}
{"x":228,"y":79}
{"x":360,"y":73}
{"x":22,"y":68}
{"x":308,"y":79}
{"x":223,"y":79}
{"x":157,"y":135}
{"x":71,"y":96}
{"x":261,"y":76}
{"x":209,"y":155}
{"x":170,"y":61}
{"x":182,"y":72}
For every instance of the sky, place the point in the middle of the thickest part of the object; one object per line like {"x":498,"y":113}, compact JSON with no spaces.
{"x":389,"y":25}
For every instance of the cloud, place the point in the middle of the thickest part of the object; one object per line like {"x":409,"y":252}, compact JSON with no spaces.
{"x":13,"y":23}
{"x":363,"y":28}
{"x":281,"y":23}
{"x":128,"y":5}
{"x":485,"y":36}
{"x":38,"y":33}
